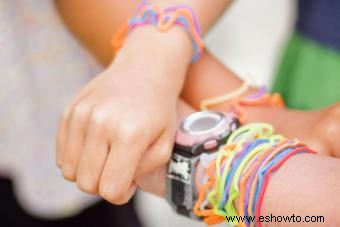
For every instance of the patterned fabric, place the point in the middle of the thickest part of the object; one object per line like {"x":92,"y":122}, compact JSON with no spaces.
{"x":41,"y":69}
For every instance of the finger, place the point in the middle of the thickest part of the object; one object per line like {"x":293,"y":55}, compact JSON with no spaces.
{"x":64,"y":120}
{"x":154,"y":182}
{"x":92,"y":161}
{"x":75,"y":139}
{"x":86,"y":90}
{"x":120,"y":167}
{"x":158,"y":154}
{"x":61,"y":141}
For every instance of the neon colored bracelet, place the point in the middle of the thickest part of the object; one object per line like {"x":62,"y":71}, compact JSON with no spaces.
{"x":241,"y":170}
{"x":163,"y":19}
{"x":249,"y":177}
{"x":240,"y":135}
{"x":274,"y":168}
{"x":251,"y":201}
{"x":260,"y":98}
{"x":234,"y":191}
{"x":206,"y":103}
{"x":243,"y":201}
{"x":236,"y":136}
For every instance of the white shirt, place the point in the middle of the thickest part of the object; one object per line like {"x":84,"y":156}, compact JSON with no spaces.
{"x":41,"y":68}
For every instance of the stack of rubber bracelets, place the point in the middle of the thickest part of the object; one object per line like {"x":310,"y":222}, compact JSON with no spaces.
{"x":163,"y":19}
{"x":239,"y":172}
{"x":237,"y":175}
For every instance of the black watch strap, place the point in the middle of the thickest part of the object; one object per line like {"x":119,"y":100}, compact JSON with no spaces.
{"x":181,"y":185}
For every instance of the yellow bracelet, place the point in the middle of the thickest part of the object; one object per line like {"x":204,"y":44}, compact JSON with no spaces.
{"x":224,"y":98}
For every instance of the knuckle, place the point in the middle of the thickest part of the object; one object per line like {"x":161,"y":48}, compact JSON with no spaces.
{"x":115,"y":195}
{"x":58,"y":161}
{"x":81,"y":110}
{"x":69,"y":173}
{"x":99,"y":117}
{"x":87,"y":185}
{"x":66,"y":114}
{"x":123,"y":200}
{"x":128,"y":131}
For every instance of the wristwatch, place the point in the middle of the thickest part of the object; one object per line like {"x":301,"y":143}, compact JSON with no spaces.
{"x":200,"y":132}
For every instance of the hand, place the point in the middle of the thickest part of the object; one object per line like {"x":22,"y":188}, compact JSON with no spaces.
{"x":155,"y":181}
{"x":318,"y":129}
{"x":121,"y":125}
{"x":325,"y":131}
{"x":117,"y":127}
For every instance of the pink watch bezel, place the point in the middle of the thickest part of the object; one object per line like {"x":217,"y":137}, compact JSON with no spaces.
{"x":187,"y":139}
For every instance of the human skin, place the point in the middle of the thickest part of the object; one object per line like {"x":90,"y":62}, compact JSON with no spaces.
{"x":318,"y":128}
{"x":305,"y":185}
{"x":205,"y":79}
{"x":127,"y":113}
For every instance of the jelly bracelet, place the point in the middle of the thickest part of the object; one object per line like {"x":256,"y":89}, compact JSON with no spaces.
{"x":205,"y":103}
{"x":240,"y":170}
{"x":252,"y":188}
{"x":274,"y":168}
{"x":294,"y":144}
{"x":250,"y":132}
{"x":259,"y":98}
{"x":248,"y":178}
{"x":262,"y":170}
{"x":218,"y":191}
{"x":163,"y":20}
{"x":243,"y":201}
{"x":276,"y":152}
{"x":240,"y":135}
{"x":233,"y":190}
{"x":236,"y":165}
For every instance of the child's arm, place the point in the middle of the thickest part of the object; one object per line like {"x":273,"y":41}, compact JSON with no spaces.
{"x":306,"y":185}
{"x":95,"y":22}
{"x":122,"y":122}
{"x":319,"y":129}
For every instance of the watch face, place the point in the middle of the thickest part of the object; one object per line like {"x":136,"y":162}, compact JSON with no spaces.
{"x":202,"y":126}
{"x":202,"y":123}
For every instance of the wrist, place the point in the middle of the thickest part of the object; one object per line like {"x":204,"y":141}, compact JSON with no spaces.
{"x":164,"y":49}
{"x":164,"y":56}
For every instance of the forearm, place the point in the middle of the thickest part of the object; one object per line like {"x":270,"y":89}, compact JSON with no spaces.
{"x":207,"y":11}
{"x":209,"y":78}
{"x":95,"y":22}
{"x":306,"y":185}
{"x":163,"y":57}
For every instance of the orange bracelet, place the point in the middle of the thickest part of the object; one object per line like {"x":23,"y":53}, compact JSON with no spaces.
{"x":266,"y":100}
{"x":164,"y":23}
